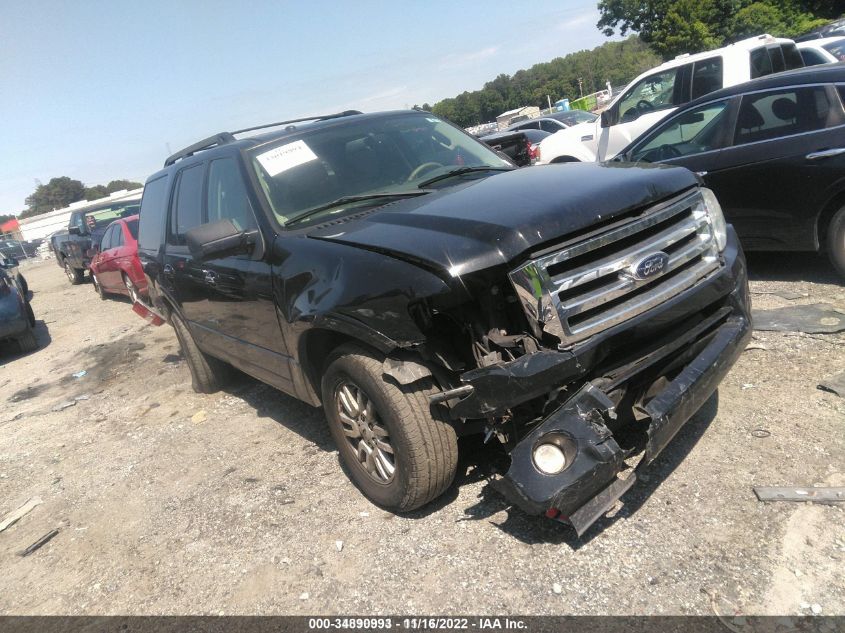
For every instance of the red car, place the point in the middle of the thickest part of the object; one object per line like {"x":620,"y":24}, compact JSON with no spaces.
{"x":115,"y":268}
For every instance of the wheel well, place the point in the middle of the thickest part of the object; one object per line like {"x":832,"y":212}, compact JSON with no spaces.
{"x":565,"y":159}
{"x":315,"y":350}
{"x":823,"y":223}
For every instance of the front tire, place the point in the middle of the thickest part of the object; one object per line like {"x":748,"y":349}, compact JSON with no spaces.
{"x":208,"y":374}
{"x":74,"y":275}
{"x":27,"y":341}
{"x":836,"y":241}
{"x":98,"y":287}
{"x":398,"y":453}
{"x":22,"y":283}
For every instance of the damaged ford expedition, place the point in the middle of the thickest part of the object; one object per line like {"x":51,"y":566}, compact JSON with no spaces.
{"x":416,"y":285}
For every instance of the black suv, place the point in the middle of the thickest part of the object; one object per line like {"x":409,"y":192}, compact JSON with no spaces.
{"x":401,"y":274}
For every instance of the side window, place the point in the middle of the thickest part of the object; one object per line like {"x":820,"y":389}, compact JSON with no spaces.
{"x":227,"y":195}
{"x":77,"y":221}
{"x":117,"y":237}
{"x":151,"y":223}
{"x":706,"y":77}
{"x":776,"y":55}
{"x":550,"y":126}
{"x":812,"y":57}
{"x":186,"y":208}
{"x":105,"y":243}
{"x":654,"y":92}
{"x":781,"y":113}
{"x":761,"y":64}
{"x":791,"y":56}
{"x":699,"y":130}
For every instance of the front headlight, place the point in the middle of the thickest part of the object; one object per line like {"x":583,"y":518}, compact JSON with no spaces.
{"x":717,"y":218}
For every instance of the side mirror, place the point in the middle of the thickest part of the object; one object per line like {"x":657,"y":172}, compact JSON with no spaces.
{"x":74,"y":230}
{"x":10,"y":262}
{"x":219,"y":239}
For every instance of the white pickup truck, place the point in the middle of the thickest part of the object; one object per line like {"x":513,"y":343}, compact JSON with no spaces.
{"x":657,"y":92}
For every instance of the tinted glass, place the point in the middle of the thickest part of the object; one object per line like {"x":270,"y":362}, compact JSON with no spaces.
{"x":812,"y":57}
{"x":132,"y":225}
{"x":776,"y":56}
{"x":187,"y":207}
{"x":781,"y":113}
{"x":153,"y":204}
{"x":792,"y":56}
{"x":227,"y":195}
{"x":655,"y":92}
{"x":117,"y":238}
{"x":698,"y":130}
{"x":706,"y":76}
{"x":573,"y":117}
{"x":551,"y":126}
{"x":837,"y":49}
{"x":761,"y":64}
{"x":363,"y":156}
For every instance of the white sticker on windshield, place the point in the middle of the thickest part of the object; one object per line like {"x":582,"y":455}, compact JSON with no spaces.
{"x":280,"y":159}
{"x":432,"y":120}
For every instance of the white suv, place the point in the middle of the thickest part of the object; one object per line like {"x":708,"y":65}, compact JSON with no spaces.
{"x":656,"y":93}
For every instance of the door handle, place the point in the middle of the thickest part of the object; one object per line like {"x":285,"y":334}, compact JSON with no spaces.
{"x":826,"y":153}
{"x":168,"y":269}
{"x":701,"y":174}
{"x":210,"y":276}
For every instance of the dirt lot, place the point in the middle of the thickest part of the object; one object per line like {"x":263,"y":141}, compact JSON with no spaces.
{"x":172,"y":502}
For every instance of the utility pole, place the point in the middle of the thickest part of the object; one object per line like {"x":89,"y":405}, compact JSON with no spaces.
{"x":581,"y":85}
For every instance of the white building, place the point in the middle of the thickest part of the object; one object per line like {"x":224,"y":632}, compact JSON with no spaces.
{"x":44,"y":225}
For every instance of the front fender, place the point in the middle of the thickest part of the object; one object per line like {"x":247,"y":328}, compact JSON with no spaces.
{"x":562,"y":145}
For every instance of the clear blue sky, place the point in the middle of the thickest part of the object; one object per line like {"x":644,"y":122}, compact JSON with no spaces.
{"x":99,"y":90}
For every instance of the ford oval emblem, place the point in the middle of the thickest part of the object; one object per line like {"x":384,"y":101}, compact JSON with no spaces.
{"x":650,"y":266}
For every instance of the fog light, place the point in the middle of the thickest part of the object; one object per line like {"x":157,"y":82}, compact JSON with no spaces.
{"x":549,"y":459}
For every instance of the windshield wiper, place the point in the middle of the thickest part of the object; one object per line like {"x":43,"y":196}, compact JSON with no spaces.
{"x":458,"y":172}
{"x":350,"y":199}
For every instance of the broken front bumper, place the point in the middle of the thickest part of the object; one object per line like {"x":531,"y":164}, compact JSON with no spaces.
{"x":589,"y":485}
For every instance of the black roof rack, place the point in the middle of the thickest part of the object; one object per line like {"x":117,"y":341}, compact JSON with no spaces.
{"x":222,"y":138}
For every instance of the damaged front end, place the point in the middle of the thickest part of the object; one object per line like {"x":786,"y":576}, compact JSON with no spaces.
{"x":599,"y":390}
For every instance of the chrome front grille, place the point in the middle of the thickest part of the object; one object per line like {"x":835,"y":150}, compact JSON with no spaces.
{"x":592,"y":285}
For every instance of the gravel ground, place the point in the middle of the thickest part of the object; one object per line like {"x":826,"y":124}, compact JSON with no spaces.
{"x":171,"y":502}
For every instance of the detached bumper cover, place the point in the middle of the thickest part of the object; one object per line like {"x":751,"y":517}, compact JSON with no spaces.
{"x":589,"y":485}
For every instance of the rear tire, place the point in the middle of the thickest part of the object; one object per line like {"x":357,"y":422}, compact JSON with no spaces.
{"x":416,"y":451}
{"x":74,"y":275}
{"x":836,"y":241}
{"x":22,"y":283}
{"x":131,"y":289}
{"x":208,"y":374}
{"x":27,"y":341}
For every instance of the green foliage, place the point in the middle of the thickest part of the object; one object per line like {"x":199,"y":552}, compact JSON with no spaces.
{"x":57,"y":193}
{"x":60,"y":192}
{"x":672,"y":27}
{"x":616,"y":62}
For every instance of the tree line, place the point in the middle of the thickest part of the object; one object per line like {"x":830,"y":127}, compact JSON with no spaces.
{"x":673,"y":27}
{"x":62,"y":191}
{"x":571,"y":76}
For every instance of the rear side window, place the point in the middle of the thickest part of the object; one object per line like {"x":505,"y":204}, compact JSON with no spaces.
{"x":132,"y":225}
{"x":117,"y":237}
{"x":706,"y":77}
{"x":105,"y":243}
{"x":153,"y":204}
{"x":227,"y":195}
{"x":186,"y":212}
{"x":792,"y":56}
{"x":812,"y":57}
{"x":761,"y":63}
{"x":770,"y":115}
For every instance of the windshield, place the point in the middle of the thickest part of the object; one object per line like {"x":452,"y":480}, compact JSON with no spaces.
{"x":837,"y":49}
{"x":371,"y":156}
{"x":573,"y":117}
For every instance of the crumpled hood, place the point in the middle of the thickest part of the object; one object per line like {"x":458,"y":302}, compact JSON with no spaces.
{"x":492,"y":221}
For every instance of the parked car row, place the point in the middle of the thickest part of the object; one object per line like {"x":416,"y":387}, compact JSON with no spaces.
{"x":17,"y":320}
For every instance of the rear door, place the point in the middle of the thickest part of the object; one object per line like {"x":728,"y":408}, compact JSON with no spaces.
{"x":788,"y":149}
{"x":105,"y":259}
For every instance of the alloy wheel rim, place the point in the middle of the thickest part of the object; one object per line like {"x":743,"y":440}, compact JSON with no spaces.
{"x":133,"y":294}
{"x":365,"y":433}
